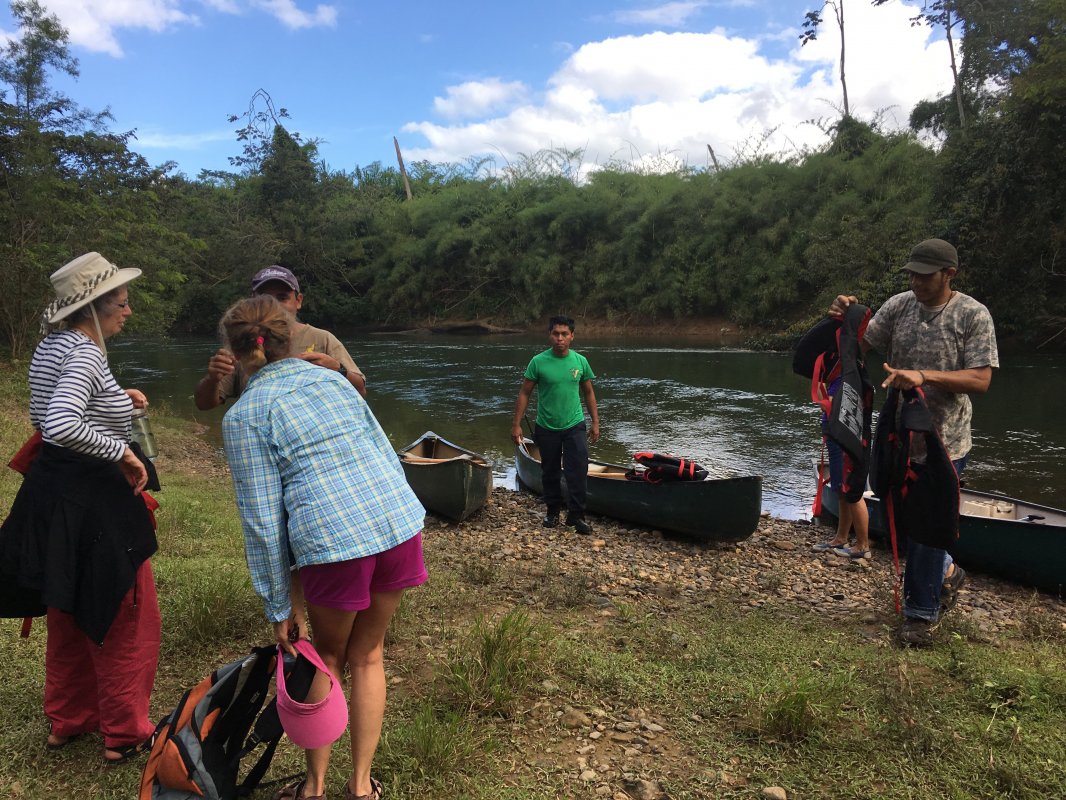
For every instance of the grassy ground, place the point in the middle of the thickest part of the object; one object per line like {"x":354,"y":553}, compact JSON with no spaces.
{"x":514,"y":679}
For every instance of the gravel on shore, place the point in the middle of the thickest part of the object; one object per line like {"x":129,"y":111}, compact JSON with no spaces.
{"x":774,"y":568}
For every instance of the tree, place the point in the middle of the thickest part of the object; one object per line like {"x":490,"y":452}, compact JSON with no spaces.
{"x":811,"y":22}
{"x":68,"y":186}
{"x":941,"y":14}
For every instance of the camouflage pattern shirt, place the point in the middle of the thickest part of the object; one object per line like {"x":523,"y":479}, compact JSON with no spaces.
{"x":959,"y":336}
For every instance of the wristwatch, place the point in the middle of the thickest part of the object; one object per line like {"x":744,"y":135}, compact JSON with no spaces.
{"x":343,"y":370}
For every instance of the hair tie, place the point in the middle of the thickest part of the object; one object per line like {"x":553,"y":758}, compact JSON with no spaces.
{"x":259,"y":341}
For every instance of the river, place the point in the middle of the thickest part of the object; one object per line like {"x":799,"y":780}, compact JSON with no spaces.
{"x":735,"y":412}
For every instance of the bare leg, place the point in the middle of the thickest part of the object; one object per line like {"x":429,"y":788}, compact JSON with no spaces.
{"x":333,"y":629}
{"x":843,"y":523}
{"x":860,"y":520}
{"x":365,"y":659}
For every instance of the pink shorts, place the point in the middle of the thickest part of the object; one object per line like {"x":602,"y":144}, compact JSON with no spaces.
{"x":347,"y":585}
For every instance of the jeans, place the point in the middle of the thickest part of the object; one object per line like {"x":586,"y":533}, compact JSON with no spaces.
{"x":563,"y":453}
{"x":925,"y":571}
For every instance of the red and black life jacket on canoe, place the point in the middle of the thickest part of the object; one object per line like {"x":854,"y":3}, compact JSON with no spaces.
{"x":828,"y":351}
{"x":922,"y":502}
{"x":659,"y":468}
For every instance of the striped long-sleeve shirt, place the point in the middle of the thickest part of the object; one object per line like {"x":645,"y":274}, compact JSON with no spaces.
{"x":75,"y":401}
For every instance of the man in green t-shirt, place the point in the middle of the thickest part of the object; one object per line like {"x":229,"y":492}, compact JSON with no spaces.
{"x":562,"y":378}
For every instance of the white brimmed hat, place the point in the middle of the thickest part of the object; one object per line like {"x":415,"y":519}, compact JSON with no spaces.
{"x":83,"y":280}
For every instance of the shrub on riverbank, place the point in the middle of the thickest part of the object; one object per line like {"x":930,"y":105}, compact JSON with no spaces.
{"x":636,"y":674}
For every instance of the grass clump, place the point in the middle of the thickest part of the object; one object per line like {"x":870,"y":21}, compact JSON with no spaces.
{"x":211,"y":600}
{"x":435,"y":748}
{"x":491,"y":668}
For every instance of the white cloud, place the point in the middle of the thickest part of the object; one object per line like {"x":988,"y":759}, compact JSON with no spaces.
{"x":153,"y":139}
{"x":289,"y":15}
{"x":669,"y":15}
{"x":476,"y":98}
{"x":638,"y":97}
{"x":95,"y":24}
{"x":92,"y":23}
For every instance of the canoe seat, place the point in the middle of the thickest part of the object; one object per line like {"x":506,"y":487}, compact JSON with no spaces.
{"x":424,"y":460}
{"x":996,"y":509}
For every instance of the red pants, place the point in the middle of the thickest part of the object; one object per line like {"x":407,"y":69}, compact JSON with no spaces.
{"x":88,"y":686}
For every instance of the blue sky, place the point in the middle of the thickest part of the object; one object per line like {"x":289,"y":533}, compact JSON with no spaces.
{"x":651,"y":83}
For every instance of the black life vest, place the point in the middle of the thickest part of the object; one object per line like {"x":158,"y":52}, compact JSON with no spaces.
{"x":659,"y":468}
{"x":833,"y":349}
{"x":923,"y":502}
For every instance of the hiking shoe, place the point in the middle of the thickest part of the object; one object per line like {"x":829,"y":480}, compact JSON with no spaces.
{"x":551,"y":519}
{"x":915,"y":632}
{"x":825,"y":547}
{"x":949,"y":592}
{"x":852,"y":553}
{"x":577,"y":522}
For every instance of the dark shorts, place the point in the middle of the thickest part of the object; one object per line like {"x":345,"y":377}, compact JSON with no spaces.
{"x":347,"y":585}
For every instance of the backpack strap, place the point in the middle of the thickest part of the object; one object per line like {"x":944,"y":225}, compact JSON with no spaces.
{"x":300,"y":673}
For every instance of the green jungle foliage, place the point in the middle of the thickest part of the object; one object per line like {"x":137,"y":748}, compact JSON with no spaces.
{"x":765,"y":241}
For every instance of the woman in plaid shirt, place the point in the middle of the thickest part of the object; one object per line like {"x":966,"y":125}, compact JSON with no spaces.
{"x":318,"y":483}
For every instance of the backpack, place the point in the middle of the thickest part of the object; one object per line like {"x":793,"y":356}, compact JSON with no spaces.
{"x":199,"y":745}
{"x":659,"y":468}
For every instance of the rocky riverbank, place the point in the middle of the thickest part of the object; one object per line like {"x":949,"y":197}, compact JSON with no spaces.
{"x":773,"y":569}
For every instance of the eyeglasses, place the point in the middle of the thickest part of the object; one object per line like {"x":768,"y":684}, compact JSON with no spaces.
{"x":123,"y":304}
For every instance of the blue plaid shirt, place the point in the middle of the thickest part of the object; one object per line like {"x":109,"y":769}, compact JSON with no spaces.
{"x":313,"y":472}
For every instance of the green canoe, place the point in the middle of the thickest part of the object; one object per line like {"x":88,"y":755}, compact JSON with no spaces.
{"x":998,"y":535}
{"x":716,"y":509}
{"x":447,"y":479}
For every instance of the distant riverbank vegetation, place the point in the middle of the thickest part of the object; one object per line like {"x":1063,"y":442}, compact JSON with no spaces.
{"x":764,"y":241}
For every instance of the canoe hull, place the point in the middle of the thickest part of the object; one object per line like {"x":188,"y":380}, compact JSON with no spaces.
{"x":722,"y":510}
{"x":447,"y":479}
{"x":1006,"y":543}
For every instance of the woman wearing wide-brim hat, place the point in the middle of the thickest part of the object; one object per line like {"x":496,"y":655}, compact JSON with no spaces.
{"x":80,"y":534}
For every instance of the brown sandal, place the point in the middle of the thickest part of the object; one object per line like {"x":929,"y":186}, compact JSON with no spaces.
{"x":376,"y":792}
{"x":293,"y":790}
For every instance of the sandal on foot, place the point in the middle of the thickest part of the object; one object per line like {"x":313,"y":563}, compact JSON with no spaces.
{"x":129,"y":752}
{"x":949,"y":592}
{"x":293,"y":792}
{"x":376,"y":792}
{"x":823,"y":547}
{"x":63,"y":741}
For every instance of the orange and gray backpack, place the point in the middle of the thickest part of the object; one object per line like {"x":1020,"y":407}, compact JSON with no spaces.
{"x":199,"y":745}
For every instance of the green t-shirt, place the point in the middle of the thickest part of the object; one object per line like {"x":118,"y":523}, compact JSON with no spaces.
{"x":558,"y":388}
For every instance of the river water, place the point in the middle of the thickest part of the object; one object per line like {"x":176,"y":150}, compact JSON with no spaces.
{"x":735,"y":412}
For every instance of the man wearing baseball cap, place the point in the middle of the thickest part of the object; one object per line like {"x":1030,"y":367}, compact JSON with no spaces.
{"x":943,"y":341}
{"x":224,"y":379}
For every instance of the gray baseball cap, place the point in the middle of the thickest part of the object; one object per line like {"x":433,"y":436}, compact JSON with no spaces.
{"x":931,"y":256}
{"x":275,"y":273}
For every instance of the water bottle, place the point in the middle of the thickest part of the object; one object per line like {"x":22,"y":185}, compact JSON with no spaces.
{"x":142,"y":432}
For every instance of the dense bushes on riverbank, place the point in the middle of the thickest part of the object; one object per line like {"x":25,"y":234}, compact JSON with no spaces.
{"x":768,"y":240}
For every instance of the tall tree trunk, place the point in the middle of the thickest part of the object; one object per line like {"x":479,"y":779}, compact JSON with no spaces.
{"x":838,"y":9}
{"x":954,"y":68}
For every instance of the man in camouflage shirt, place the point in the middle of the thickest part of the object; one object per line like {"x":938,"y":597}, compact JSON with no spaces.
{"x":944,"y":341}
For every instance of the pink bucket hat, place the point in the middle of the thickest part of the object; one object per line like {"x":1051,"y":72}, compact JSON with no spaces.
{"x":312,"y":725}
